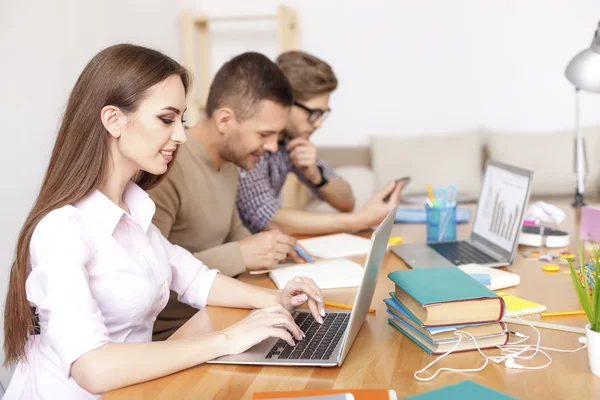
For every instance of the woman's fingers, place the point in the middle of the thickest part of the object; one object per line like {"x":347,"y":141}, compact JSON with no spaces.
{"x":281,"y":334}
{"x":315,"y":310}
{"x":288,"y":323}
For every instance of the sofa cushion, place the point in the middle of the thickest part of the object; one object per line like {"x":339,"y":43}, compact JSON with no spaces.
{"x":550,"y":156}
{"x":435,"y":159}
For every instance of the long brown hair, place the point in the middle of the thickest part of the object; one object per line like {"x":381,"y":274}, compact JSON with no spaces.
{"x":118,"y":76}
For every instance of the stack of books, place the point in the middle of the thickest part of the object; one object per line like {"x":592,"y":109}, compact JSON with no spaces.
{"x":429,"y":305}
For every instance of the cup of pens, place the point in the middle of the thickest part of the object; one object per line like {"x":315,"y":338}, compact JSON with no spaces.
{"x":441,"y":215}
{"x":441,"y":223}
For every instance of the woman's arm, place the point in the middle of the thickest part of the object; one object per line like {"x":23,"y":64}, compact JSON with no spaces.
{"x":116,"y":365}
{"x":229,"y":292}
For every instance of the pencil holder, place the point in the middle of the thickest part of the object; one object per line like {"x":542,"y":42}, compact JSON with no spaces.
{"x":441,"y":224}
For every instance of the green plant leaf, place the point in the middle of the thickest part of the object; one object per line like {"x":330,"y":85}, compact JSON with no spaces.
{"x":581,"y":287}
{"x":596,"y":291}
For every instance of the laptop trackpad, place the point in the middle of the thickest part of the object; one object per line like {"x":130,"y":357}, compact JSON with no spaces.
{"x":253,"y":354}
{"x":419,"y":255}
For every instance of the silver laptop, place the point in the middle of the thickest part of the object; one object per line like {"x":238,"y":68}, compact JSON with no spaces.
{"x":496,"y":227}
{"x":327,"y":344}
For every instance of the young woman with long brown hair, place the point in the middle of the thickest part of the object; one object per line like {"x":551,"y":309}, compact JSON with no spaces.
{"x":91,"y":272}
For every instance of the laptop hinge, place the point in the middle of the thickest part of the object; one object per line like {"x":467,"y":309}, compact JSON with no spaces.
{"x":488,"y":251}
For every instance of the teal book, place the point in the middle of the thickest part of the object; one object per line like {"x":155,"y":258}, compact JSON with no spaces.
{"x":465,"y":390}
{"x":446,"y":296}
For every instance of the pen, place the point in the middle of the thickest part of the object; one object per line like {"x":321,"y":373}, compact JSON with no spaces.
{"x":343,"y":306}
{"x":563,"y":313}
{"x":303,"y":254}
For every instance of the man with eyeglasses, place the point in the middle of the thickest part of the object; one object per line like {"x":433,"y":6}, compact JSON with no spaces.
{"x":313,"y":81}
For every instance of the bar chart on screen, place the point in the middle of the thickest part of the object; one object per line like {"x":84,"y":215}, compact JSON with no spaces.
{"x":504,"y":221}
{"x":500,"y":208}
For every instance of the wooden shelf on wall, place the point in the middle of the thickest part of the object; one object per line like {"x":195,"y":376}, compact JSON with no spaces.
{"x":195,"y":33}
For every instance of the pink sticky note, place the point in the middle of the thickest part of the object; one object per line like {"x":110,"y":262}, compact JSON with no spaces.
{"x":590,"y":224}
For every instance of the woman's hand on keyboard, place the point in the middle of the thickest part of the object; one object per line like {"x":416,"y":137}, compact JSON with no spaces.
{"x":300,"y":290}
{"x":273,"y":321}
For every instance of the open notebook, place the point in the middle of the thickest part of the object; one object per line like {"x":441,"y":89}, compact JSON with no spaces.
{"x":336,"y":246}
{"x":327,"y":274}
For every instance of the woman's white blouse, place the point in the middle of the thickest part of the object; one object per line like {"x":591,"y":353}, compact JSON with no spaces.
{"x":98,"y":275}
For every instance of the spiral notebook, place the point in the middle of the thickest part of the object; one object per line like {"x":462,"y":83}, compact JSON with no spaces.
{"x":517,"y":307}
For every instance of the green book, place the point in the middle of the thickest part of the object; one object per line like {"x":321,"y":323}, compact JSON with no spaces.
{"x":446,"y":296}
{"x":465,"y":390}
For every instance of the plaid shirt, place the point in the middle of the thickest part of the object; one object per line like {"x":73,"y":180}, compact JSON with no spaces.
{"x":259,"y":189}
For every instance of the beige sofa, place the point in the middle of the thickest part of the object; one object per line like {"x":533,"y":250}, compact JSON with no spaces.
{"x":459,"y":158}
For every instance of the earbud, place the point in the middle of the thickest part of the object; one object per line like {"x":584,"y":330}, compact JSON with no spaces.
{"x":582,"y":340}
{"x":517,"y":334}
{"x":510,"y":363}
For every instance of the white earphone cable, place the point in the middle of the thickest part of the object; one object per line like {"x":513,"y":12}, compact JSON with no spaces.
{"x":510,"y":352}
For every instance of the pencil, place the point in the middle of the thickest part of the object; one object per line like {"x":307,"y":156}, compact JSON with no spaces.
{"x":431,"y":197}
{"x":344,"y":306}
{"x":563,"y":313}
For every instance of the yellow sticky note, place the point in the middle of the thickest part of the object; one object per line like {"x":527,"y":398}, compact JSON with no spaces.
{"x":394,"y":240}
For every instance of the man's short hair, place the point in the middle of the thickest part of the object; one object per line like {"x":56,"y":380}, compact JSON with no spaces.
{"x":308,"y":75}
{"x":246,"y":80}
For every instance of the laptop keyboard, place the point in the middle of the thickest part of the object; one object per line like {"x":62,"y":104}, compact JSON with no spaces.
{"x":320,"y":340}
{"x":461,"y":253}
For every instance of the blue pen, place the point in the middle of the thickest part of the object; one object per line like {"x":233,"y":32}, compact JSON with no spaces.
{"x":303,"y":254}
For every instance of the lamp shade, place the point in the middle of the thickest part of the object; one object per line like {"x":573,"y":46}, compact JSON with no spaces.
{"x":584,"y":69}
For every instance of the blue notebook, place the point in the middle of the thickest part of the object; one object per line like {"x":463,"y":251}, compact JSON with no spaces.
{"x":465,"y":390}
{"x":418,"y":215}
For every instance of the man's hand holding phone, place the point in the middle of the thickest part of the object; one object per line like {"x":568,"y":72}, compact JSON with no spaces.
{"x":400,"y":181}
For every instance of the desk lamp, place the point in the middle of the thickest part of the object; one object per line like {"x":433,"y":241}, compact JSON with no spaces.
{"x":584,"y":73}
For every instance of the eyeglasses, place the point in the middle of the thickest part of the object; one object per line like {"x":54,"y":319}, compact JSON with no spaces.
{"x":314,"y":114}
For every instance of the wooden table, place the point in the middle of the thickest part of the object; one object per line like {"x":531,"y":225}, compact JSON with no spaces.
{"x":382,"y":357}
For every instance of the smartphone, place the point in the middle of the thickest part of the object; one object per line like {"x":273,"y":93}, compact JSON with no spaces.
{"x":405,"y":180}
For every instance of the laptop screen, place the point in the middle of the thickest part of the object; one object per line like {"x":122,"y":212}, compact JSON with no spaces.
{"x":500,"y":209}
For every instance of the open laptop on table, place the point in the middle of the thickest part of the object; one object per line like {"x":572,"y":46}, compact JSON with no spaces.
{"x":327,"y":344}
{"x":496,"y":228}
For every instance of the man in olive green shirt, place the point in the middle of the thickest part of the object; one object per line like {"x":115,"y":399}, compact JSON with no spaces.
{"x":248,"y":105}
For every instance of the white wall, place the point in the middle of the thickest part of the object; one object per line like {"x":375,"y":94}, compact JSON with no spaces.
{"x":405,"y":68}
{"x":410,"y":67}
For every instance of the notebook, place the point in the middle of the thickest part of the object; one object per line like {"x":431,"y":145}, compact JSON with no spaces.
{"x":446,"y":296}
{"x":327,"y":274}
{"x":419,"y":215}
{"x":465,"y":390}
{"x":358,"y":394}
{"x":336,"y":246}
{"x":498,"y":278}
{"x":515,"y":306}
